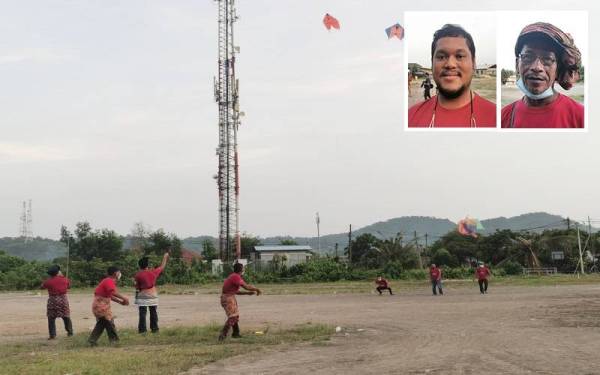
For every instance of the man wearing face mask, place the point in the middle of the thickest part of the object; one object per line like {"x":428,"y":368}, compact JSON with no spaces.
{"x":453,"y":66}
{"x":545,"y":55}
{"x":105,"y":292}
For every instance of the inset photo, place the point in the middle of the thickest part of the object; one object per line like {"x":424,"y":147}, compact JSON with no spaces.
{"x":542,"y":59}
{"x":451,"y":68}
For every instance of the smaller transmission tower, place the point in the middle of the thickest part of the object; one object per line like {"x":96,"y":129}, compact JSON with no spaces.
{"x":25,"y":228}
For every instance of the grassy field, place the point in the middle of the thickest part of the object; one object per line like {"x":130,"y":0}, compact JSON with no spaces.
{"x":366,"y":286}
{"x":170,"y":352}
{"x":359,"y":287}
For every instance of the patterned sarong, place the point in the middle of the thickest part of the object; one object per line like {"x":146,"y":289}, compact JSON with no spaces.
{"x":58,"y":307}
{"x":230,"y":305}
{"x":147,"y":297}
{"x":101,"y":308}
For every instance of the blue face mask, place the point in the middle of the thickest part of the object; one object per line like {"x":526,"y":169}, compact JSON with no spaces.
{"x":546,"y":94}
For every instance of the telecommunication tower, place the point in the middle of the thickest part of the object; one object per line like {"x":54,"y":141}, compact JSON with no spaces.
{"x":26,"y":226}
{"x":227,"y":98}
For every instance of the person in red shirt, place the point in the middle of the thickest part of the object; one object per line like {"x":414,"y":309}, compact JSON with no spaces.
{"x":105,"y":292}
{"x":482,"y":273}
{"x":545,"y":55}
{"x":435,"y":275}
{"x":58,"y":303}
{"x":383,"y":284}
{"x":231,"y":288}
{"x":455,"y":105}
{"x":146,"y":296}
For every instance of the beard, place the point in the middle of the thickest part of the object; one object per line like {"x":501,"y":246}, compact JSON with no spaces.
{"x":452,"y":94}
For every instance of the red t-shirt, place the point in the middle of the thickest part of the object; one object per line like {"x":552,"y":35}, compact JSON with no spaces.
{"x":382,"y":283}
{"x":563,"y":112}
{"x":233,"y":283}
{"x":106,"y":288}
{"x":56,"y":285}
{"x":482,"y":273}
{"x":146,"y":279}
{"x":435,"y":273}
{"x":484,"y":112}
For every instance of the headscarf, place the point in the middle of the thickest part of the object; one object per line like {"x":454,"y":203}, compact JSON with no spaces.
{"x":569,"y":57}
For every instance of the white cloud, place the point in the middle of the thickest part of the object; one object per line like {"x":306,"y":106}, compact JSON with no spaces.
{"x":14,"y":152}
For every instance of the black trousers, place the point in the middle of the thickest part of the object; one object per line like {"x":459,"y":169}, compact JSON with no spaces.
{"x":483,"y":284}
{"x":52,"y":326}
{"x":101,"y":325}
{"x":436,"y":284}
{"x":153,"y":319}
{"x":380,"y":288}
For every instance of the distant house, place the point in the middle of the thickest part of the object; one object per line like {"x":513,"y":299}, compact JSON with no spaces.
{"x":189,"y":256}
{"x":486,"y":70}
{"x":288,"y":254}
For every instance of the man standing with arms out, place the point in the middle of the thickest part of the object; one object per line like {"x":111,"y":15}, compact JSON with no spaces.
{"x":383,"y":284}
{"x":58,"y":303}
{"x":231,"y":287}
{"x":456,"y":105}
{"x":105,"y":292}
{"x":146,"y":296}
{"x":482,"y":273}
{"x":545,"y":55}
{"x":427,"y":86}
{"x":435,"y":275}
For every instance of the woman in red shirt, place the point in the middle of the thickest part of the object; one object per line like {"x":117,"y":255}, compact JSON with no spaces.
{"x":146,"y":296}
{"x":231,"y":287}
{"x":105,"y":292}
{"x":58,"y":304}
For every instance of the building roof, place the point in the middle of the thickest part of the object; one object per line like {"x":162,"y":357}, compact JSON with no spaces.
{"x":282,"y":248}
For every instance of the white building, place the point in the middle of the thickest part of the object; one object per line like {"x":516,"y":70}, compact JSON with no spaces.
{"x":287,"y":254}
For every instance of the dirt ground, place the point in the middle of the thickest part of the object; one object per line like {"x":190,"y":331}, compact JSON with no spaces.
{"x":511,"y":330}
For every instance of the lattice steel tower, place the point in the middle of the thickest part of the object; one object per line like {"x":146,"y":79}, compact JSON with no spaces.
{"x":226,"y":96}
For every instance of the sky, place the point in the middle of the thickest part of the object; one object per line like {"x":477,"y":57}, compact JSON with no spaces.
{"x":107,"y":115}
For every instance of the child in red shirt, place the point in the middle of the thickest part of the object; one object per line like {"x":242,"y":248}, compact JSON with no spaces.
{"x":382,"y":284}
{"x":58,"y":304}
{"x":482,"y":273}
{"x":105,"y":292}
{"x":435,"y":275}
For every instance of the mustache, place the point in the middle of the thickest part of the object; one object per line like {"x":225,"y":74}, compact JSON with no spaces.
{"x":535,"y":76}
{"x":451,"y":73}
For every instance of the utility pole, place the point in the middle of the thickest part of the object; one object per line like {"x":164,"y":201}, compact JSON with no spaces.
{"x":318,"y":220}
{"x":336,"y":249}
{"x":426,"y":241}
{"x":580,"y":253}
{"x":568,"y":223}
{"x":350,"y":244}
{"x":418,"y":251}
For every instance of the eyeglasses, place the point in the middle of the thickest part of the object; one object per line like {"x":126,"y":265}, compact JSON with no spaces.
{"x":530,"y":58}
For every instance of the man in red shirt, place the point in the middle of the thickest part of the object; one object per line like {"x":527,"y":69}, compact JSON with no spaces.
{"x":146,"y":296}
{"x":545,"y":55}
{"x":231,"y":288}
{"x":105,"y":292}
{"x":383,"y":284}
{"x":435,"y":275}
{"x":58,"y":304}
{"x":455,"y":105}
{"x":482,"y":273}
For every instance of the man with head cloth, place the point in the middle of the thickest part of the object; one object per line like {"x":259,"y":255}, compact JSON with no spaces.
{"x":545,"y":55}
{"x":453,"y":66}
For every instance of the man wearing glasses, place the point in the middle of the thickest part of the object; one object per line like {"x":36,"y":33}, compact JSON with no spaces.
{"x":545,"y":55}
{"x":453,"y":66}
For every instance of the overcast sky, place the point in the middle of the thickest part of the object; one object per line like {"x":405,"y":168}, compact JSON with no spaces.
{"x":107,"y":115}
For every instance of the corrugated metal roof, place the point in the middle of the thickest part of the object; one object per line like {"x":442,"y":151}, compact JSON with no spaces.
{"x":282,"y":248}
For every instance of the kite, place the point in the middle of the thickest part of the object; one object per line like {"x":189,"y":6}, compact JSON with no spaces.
{"x":330,"y":21}
{"x":395,"y":31}
{"x":469,"y":227}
